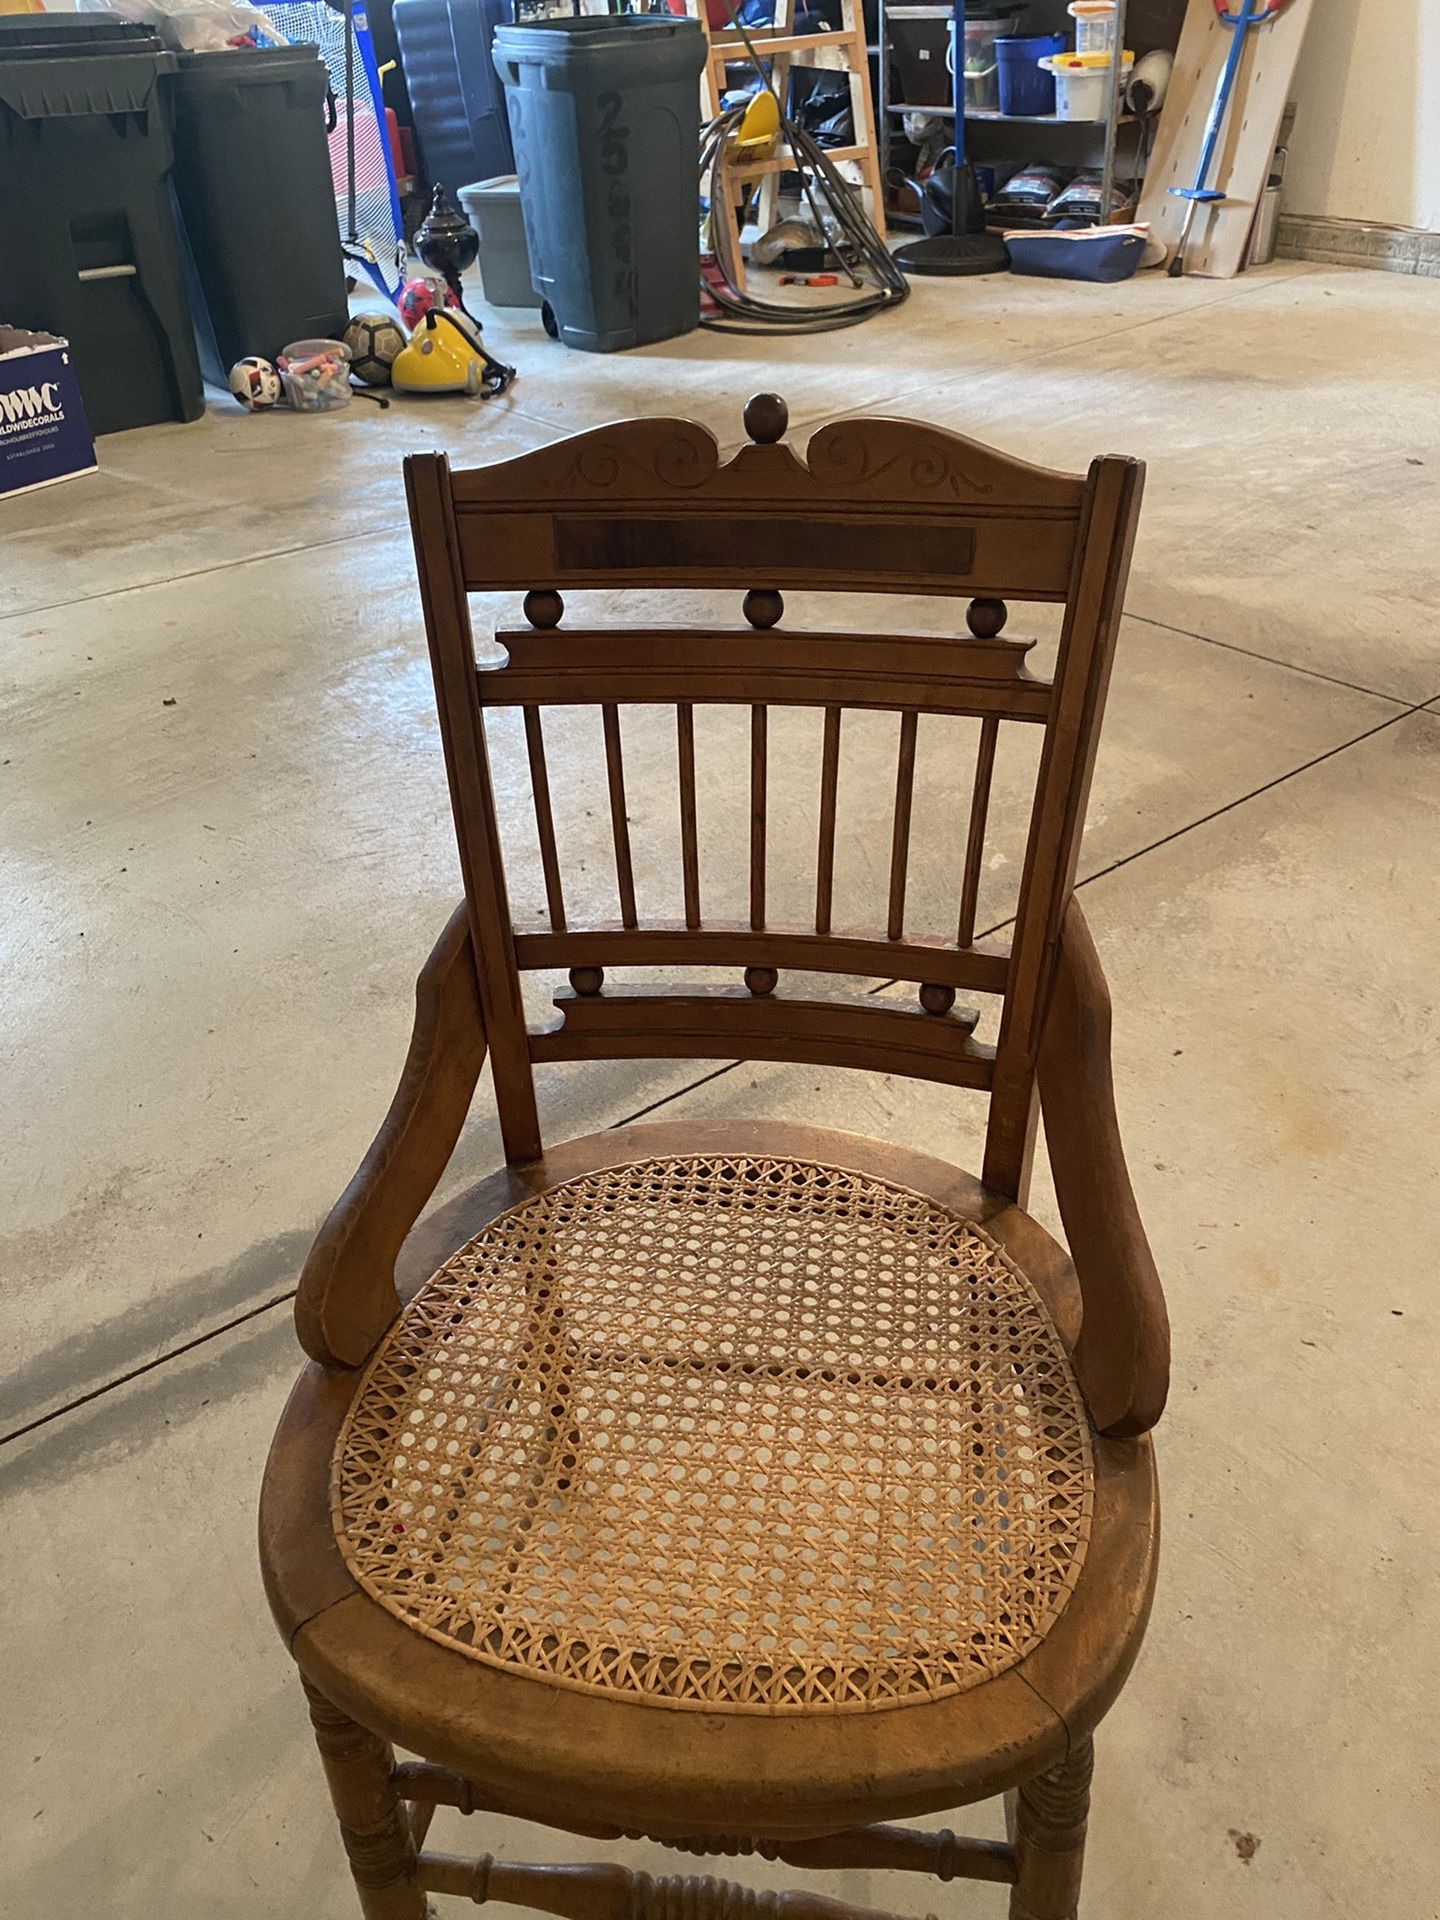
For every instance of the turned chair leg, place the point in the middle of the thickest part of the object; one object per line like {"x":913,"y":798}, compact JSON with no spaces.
{"x":373,"y":1823}
{"x":1049,"y":1837}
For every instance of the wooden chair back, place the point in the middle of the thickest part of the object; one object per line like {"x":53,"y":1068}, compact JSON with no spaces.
{"x":874,"y":505}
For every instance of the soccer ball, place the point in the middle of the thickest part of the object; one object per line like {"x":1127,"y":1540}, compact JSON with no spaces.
{"x":419,"y":297}
{"x":374,"y":339}
{"x":255,"y":384}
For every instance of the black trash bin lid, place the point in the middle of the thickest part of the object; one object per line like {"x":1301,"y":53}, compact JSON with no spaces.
{"x":524,"y":35}
{"x":29,"y":36}
{"x":247,"y":64}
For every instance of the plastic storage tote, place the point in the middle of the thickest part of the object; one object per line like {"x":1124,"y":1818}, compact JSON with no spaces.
{"x":920,"y":48}
{"x":1027,"y":88}
{"x":1082,"y":83}
{"x":252,"y":174}
{"x":605,"y":116}
{"x":455,"y":95}
{"x":493,"y":208}
{"x":984,"y":26}
{"x":87,"y":225}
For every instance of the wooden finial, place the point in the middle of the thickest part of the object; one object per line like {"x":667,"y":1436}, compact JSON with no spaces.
{"x":761,"y":981}
{"x":543,"y":607}
{"x":766,"y":418}
{"x":587,"y":980}
{"x":763,"y":607}
{"x":985,"y":618}
{"x":935,"y":998}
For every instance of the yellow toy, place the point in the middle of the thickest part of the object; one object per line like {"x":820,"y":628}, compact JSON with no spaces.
{"x":445,"y":355}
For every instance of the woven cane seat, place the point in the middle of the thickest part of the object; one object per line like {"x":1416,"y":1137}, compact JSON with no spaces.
{"x":727,"y":1433}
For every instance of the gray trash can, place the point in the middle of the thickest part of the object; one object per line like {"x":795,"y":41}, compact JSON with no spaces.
{"x":605,"y":118}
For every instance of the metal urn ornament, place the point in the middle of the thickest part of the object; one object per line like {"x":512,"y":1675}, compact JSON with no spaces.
{"x":447,"y":242}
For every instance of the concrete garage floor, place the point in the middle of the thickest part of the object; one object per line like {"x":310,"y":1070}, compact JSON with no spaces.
{"x":227,"y":848}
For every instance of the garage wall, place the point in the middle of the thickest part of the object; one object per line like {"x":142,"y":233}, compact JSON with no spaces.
{"x":1367,"y":140}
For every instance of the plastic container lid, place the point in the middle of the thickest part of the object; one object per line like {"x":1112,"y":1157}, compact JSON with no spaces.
{"x":504,"y":186}
{"x":31,"y":36}
{"x":246,"y":63}
{"x":1091,"y":9}
{"x":570,"y":34}
{"x":1085,"y":62}
{"x":982,"y":21}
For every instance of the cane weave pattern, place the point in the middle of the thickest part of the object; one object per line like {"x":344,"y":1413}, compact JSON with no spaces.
{"x":727,"y":1433}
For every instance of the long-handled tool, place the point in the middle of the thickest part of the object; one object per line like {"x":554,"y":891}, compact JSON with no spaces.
{"x":1251,"y":13}
{"x":967,"y":247}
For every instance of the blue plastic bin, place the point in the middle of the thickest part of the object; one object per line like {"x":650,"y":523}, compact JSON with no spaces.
{"x":1025,"y":86}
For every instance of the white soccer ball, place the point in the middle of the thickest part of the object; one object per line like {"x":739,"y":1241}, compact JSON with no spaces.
{"x":255,"y":383}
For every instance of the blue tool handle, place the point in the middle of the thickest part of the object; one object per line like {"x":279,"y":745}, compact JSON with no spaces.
{"x":1237,"y":22}
{"x":1196,"y":193}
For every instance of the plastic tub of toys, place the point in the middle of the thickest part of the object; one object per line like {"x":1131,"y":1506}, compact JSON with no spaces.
{"x":316,"y":374}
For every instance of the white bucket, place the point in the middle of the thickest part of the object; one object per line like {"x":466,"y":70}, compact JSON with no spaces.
{"x":1094,"y":25}
{"x":1082,"y":83}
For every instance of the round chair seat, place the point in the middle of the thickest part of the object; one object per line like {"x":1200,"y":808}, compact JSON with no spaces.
{"x":731,"y":1478}
{"x":723,"y":1432}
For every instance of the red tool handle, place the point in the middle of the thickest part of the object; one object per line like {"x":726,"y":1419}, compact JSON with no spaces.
{"x":1258,"y":9}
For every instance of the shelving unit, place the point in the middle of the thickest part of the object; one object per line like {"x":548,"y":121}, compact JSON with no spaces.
{"x":781,"y":47}
{"x":1068,"y":137}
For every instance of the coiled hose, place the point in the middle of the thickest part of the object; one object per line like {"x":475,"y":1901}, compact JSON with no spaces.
{"x":870,"y":254}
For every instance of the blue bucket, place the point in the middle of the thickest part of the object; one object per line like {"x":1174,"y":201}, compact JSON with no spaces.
{"x":1025,"y":86}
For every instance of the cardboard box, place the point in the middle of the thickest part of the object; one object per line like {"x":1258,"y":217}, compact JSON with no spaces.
{"x":44,"y":435}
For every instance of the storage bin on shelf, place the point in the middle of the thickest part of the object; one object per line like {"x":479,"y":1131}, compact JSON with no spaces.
{"x":920,"y":47}
{"x":1094,"y":26}
{"x":1082,"y":83}
{"x":1026,"y":88}
{"x":984,"y":27}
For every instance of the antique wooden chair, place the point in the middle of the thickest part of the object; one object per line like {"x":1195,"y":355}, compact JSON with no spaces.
{"x":747,"y":1486}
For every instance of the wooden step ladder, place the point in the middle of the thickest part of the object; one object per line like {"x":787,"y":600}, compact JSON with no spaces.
{"x":778,"y":45}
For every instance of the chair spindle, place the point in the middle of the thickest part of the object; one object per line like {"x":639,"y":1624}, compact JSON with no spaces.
{"x":544,"y":818}
{"x":689,"y":841}
{"x":615,"y":773}
{"x":900,"y":841}
{"x":825,"y":855}
{"x":759,"y":717}
{"x":975,"y":842}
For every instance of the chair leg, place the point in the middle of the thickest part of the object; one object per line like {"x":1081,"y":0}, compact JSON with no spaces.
{"x":373,"y":1823}
{"x":1050,"y":1816}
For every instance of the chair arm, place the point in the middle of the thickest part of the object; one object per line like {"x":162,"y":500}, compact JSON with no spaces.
{"x":347,"y":1294}
{"x":1122,"y":1357}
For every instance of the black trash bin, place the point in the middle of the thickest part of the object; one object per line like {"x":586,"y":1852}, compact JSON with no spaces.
{"x":88,"y":247}
{"x":605,"y":119}
{"x":252,"y":174}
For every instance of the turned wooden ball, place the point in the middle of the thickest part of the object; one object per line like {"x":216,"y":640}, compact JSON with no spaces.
{"x":587,"y":980}
{"x":543,"y":607}
{"x":761,"y":980}
{"x":763,"y":607}
{"x":937,"y":999}
{"x":985,"y":618}
{"x":766,"y":418}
